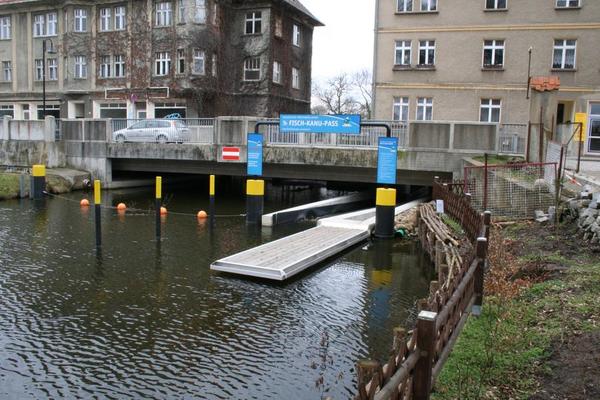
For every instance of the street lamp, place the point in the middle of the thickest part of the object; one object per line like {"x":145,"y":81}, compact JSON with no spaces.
{"x":45,"y":50}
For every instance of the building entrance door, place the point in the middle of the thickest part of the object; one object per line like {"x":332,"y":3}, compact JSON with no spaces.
{"x":594,"y":137}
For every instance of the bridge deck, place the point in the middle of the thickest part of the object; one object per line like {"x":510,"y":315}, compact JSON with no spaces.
{"x":286,"y":257}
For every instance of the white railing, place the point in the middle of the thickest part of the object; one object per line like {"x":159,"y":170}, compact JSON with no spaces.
{"x":201,"y":130}
{"x":368,"y":137}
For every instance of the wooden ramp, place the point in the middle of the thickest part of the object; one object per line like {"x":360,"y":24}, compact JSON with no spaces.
{"x":284,"y":258}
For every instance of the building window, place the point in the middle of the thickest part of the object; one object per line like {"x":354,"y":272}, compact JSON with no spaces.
{"x":214,"y":65}
{"x":495,"y":4}
{"x":80,"y":67}
{"x":163,"y":13}
{"x":278,"y":26}
{"x":405,"y":6}
{"x":7,"y":71}
{"x":277,"y":72}
{"x":52,"y":69}
{"x":39,"y":25}
{"x":296,"y":35}
{"x":200,"y":14}
{"x":564,"y":54}
{"x":428,"y":5}
{"x":181,"y":11}
{"x":180,"y":61}
{"x":490,"y":110}
{"x":567,"y":3}
{"x":80,"y":20}
{"x":424,"y":109}
{"x":119,"y":66}
{"x":52,"y":22}
{"x":427,"y":52}
{"x":105,"y":19}
{"x":163,"y":64}
{"x":403,"y":50}
{"x":39,"y":69}
{"x":199,"y":64}
{"x":120,"y":18}
{"x":493,"y":53}
{"x":5,"y":28}
{"x":253,"y":22}
{"x":295,"y":78}
{"x":252,"y":69}
{"x":105,"y":67}
{"x":400,"y":112}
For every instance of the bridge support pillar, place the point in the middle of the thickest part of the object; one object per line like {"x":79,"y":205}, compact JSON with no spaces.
{"x":38,"y":184}
{"x":255,"y":194}
{"x":385,"y":213}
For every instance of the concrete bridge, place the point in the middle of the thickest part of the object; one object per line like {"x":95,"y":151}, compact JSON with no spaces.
{"x":427,"y":149}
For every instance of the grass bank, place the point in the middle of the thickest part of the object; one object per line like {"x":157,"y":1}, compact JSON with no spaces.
{"x":9,"y":186}
{"x":539,"y":333}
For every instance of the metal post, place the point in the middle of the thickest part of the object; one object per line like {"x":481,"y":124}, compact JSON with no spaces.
{"x":158,"y":204}
{"x":541,"y":136}
{"x":44,"y":77}
{"x":426,"y":336}
{"x":38,"y":182}
{"x":97,"y":211}
{"x":529,"y":73}
{"x":211,"y":202}
{"x":528,"y":141}
{"x":479,"y":275}
{"x":485,"y":182}
{"x":580,"y":125}
{"x":255,"y":194}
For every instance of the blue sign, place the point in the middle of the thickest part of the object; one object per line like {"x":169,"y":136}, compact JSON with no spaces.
{"x":255,"y":154}
{"x":319,"y":123}
{"x":387,"y":160}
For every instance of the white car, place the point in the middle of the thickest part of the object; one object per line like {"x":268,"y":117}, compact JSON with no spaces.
{"x":154,"y":130}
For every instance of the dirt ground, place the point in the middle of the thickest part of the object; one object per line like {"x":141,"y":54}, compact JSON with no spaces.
{"x":572,"y":370}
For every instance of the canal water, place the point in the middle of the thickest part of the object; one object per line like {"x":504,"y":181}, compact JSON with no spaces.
{"x":142,"y":321}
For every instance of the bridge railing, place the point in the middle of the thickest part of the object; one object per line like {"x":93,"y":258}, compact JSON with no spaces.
{"x":184,"y":130}
{"x":368,"y":137}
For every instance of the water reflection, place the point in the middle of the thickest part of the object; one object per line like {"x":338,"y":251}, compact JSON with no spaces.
{"x":147,"y":319}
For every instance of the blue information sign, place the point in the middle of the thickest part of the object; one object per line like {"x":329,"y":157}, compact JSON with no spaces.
{"x":255,"y":154}
{"x":387,"y":160}
{"x":319,"y":123}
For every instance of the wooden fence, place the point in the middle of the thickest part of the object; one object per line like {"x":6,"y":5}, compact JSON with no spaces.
{"x":417,"y":356}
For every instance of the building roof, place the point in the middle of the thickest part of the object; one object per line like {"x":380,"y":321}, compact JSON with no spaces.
{"x":300,"y":7}
{"x":545,"y":83}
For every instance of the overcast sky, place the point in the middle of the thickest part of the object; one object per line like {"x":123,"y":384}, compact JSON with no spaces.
{"x":345,"y":43}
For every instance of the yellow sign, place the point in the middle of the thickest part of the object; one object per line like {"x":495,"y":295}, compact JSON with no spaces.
{"x":581,"y":134}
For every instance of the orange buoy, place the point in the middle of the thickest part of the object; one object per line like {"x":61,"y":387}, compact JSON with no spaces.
{"x":163,"y":211}
{"x":84,"y":203}
{"x":202,"y":214}
{"x":121,"y":207}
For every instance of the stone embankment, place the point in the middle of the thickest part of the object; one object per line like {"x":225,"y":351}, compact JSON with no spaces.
{"x":586,"y":209}
{"x":16,"y":184}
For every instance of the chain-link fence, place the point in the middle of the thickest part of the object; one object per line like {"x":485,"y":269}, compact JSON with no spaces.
{"x":512,"y":191}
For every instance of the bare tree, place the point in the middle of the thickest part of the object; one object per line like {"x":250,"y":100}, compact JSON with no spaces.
{"x":363,"y":85}
{"x":345,"y":94}
{"x":336,"y":95}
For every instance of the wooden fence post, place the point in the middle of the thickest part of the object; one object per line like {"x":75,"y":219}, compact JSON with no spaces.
{"x":426,"y":336}
{"x":479,"y":275}
{"x":368,"y":371}
{"x":487,"y":220}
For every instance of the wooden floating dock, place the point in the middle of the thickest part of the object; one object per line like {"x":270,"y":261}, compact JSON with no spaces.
{"x":286,"y":257}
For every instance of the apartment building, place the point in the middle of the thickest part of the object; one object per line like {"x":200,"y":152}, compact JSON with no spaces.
{"x":152,"y":58}
{"x":469,"y":59}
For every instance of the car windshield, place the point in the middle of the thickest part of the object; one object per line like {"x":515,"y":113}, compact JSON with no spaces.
{"x":180,"y":124}
{"x":138,"y":125}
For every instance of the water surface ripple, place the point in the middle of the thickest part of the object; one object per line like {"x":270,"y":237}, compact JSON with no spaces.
{"x":139,"y":321}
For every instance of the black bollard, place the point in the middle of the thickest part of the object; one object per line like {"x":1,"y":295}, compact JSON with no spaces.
{"x":97,"y":212}
{"x":39,"y":182}
{"x":211,"y":202}
{"x":255,"y":194}
{"x":385,"y":213}
{"x":158,"y":205}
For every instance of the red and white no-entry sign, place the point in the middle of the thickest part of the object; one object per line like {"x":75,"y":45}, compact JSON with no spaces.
{"x":231,"y":153}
